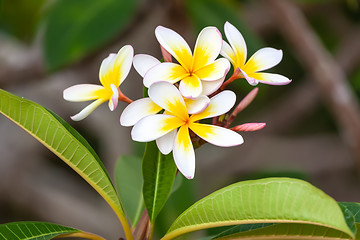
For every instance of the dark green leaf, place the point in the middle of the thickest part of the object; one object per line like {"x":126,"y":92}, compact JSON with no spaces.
{"x":77,"y":28}
{"x":159,"y":172}
{"x":129,"y":182}
{"x":354,"y":209}
{"x":20,"y":18}
{"x":285,"y":231}
{"x":39,"y":231}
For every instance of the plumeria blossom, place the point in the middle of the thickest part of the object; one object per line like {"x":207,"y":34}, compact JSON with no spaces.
{"x":199,"y":73}
{"x":145,"y":106}
{"x":171,"y":129}
{"x":113,"y":71}
{"x":263,"y":59}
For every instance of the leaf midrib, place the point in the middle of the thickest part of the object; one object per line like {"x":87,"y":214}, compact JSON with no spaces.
{"x":156,"y":186}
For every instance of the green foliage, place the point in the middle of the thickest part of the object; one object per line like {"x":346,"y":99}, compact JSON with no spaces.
{"x":288,"y":230}
{"x":60,"y":138}
{"x":352,"y":215}
{"x":20,"y":18}
{"x":178,"y":201}
{"x":159,"y":173}
{"x":38,"y":231}
{"x":271,"y":200}
{"x":77,"y":28}
{"x":205,"y":13}
{"x":129,"y":184}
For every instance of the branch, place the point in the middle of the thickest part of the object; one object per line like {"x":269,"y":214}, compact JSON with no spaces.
{"x":327,"y":75}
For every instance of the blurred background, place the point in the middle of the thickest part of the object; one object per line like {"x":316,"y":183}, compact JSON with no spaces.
{"x":313,"y":124}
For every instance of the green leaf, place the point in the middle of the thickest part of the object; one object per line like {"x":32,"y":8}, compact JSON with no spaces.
{"x":352,"y":215}
{"x":282,"y":230}
{"x":40,"y":231}
{"x":159,"y":173}
{"x":60,"y":138}
{"x":271,"y":200}
{"x":77,"y":28}
{"x":20,"y":18}
{"x":242,"y":228}
{"x":129,"y":183}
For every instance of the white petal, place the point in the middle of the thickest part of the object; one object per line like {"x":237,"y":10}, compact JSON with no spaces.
{"x":190,"y":87}
{"x":166,"y":142}
{"x":214,"y":70}
{"x":113,"y":101}
{"x":82,"y":92}
{"x":169,"y":72}
{"x":209,"y":87}
{"x":87,"y":110}
{"x":271,"y":78}
{"x":106,"y":64}
{"x":137,"y":110}
{"x":207,"y":47}
{"x":216,"y":135}
{"x":219,"y":104}
{"x":115,"y":70}
{"x":124,"y":60}
{"x":154,"y":126}
{"x":175,"y":45}
{"x":197,"y":105}
{"x":228,"y":53}
{"x":250,"y":80}
{"x":237,"y":43}
{"x":168,"y":97}
{"x":263,"y":59}
{"x":143,"y":62}
{"x":183,"y":152}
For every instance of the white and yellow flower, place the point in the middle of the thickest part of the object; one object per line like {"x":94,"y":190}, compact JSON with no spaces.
{"x":163,"y":127}
{"x":145,"y":106}
{"x":263,"y":59}
{"x":113,"y":71}
{"x":198,"y":73}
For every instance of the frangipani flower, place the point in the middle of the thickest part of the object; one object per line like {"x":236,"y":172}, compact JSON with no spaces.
{"x":163,"y":127}
{"x":145,"y":106}
{"x":263,"y":59}
{"x":198,"y":73}
{"x":113,"y":71}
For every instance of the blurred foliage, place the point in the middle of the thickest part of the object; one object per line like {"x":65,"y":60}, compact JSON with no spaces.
{"x":179,"y":201}
{"x":129,"y":183}
{"x":20,"y":17}
{"x":215,"y":12}
{"x":88,"y":25}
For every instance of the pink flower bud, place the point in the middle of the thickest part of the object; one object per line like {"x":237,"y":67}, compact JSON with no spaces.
{"x":248,"y":127}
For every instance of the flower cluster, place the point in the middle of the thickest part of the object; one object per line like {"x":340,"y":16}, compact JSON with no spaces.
{"x":182,"y":93}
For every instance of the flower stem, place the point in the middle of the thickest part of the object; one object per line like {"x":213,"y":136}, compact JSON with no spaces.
{"x":124,"y":98}
{"x":233,"y":77}
{"x":243,"y":104}
{"x":142,"y":227}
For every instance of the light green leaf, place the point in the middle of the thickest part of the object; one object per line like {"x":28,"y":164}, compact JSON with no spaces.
{"x":40,"y":231}
{"x":77,"y":28}
{"x":60,"y":138}
{"x":129,"y":183}
{"x":159,"y":173}
{"x":271,"y":200}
